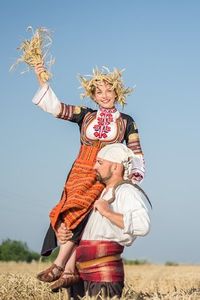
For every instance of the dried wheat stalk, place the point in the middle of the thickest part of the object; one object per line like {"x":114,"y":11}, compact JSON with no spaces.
{"x":35,"y":50}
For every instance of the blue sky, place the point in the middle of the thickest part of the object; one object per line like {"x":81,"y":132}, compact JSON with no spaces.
{"x":158,"y":43}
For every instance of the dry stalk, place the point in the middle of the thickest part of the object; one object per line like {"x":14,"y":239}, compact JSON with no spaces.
{"x":35,"y":51}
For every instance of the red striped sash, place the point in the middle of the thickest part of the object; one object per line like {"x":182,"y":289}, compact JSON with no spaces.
{"x":111,"y":271}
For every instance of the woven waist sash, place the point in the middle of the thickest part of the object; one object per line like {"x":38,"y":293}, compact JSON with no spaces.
{"x":97,"y":261}
{"x":100,"y":261}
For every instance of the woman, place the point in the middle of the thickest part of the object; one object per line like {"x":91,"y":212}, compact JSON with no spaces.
{"x":97,"y":128}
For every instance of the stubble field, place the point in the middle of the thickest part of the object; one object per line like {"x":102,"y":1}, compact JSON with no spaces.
{"x":18,"y":282}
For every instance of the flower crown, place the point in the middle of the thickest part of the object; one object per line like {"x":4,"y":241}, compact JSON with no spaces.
{"x":114,"y":78}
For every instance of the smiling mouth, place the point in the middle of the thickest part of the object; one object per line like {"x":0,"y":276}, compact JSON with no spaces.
{"x":105,"y":101}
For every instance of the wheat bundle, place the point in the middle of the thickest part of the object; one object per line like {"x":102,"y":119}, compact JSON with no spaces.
{"x":35,"y":50}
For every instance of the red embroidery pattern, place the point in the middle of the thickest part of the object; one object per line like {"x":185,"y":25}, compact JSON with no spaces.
{"x":104,"y":120}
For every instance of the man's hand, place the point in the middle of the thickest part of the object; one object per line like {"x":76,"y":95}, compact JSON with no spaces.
{"x":102,"y":206}
{"x":63,"y":234}
{"x":104,"y":209}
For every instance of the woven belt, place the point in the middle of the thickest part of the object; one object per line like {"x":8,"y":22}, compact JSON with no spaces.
{"x":97,"y":261}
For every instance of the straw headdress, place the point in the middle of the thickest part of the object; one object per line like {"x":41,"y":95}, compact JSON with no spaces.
{"x":114,"y":78}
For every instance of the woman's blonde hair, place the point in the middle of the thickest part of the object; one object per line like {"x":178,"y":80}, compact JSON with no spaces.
{"x":114,"y":78}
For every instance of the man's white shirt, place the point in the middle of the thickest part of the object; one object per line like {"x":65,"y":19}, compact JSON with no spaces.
{"x":129,"y":201}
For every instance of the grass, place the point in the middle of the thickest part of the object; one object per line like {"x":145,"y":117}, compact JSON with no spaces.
{"x":180,"y":282}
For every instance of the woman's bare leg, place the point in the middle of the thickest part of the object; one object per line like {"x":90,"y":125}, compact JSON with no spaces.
{"x":70,"y":266}
{"x":70,"y":275}
{"x":64,"y":253}
{"x":55,"y":271}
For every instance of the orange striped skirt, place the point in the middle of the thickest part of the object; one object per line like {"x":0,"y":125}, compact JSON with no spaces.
{"x":80,"y":191}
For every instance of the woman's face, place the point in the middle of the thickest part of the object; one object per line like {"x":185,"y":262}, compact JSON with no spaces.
{"x":104,"y":95}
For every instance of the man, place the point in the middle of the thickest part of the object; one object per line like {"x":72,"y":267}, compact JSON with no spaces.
{"x":118,"y":217}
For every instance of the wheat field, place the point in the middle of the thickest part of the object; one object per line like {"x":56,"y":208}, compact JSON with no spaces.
{"x":182,"y":282}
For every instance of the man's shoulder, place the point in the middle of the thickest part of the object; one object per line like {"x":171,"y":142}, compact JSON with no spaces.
{"x":130,"y":191}
{"x":126,"y":188}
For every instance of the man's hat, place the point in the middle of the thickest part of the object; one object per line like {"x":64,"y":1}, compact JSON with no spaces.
{"x":118,"y":153}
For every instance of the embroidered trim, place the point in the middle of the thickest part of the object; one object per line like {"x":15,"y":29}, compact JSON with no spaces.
{"x":135,"y":147}
{"x":119,"y":137}
{"x":43,"y":95}
{"x":66,"y":111}
{"x":108,"y":110}
{"x":102,"y":128}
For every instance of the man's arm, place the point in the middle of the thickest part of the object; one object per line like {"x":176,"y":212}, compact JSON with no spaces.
{"x":130,"y":202}
{"x":132,"y":215}
{"x":104,"y":209}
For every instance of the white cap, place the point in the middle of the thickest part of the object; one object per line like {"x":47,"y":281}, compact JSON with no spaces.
{"x":118,"y":153}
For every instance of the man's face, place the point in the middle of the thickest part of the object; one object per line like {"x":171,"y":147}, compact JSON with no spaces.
{"x":103,"y":170}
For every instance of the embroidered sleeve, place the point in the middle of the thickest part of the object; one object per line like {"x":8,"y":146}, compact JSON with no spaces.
{"x":47,"y":100}
{"x":73,"y":113}
{"x":132,"y":138}
{"x":133,"y":142}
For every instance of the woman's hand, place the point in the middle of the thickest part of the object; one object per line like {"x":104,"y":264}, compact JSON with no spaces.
{"x":136,"y":177}
{"x":39,"y":69}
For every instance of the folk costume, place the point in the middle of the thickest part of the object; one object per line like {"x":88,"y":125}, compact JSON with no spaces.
{"x":97,"y":128}
{"x":98,"y":254}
